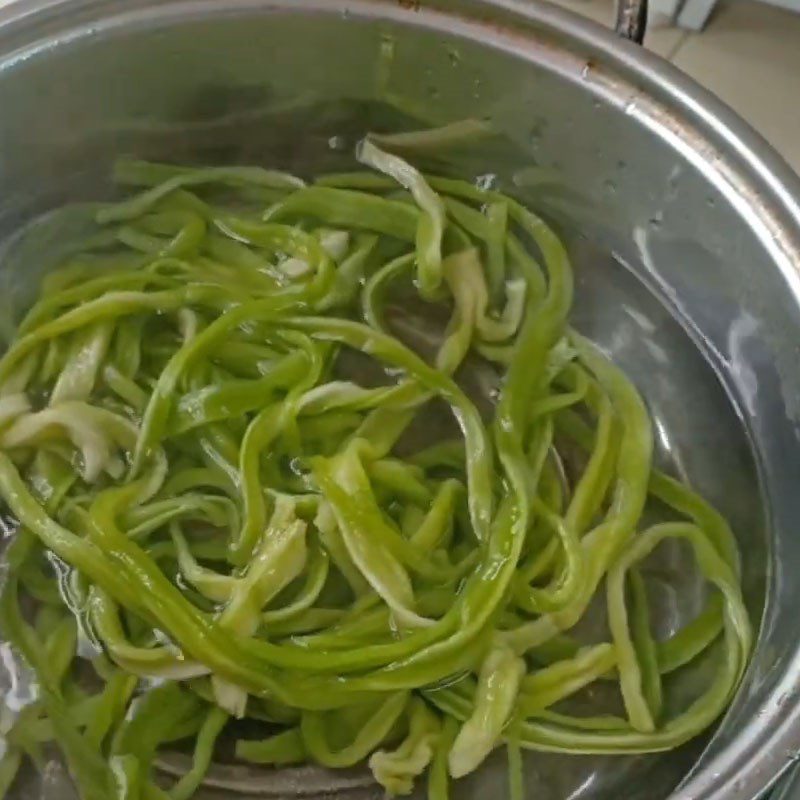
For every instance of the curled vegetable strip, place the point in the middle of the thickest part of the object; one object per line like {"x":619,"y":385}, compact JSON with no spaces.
{"x":93,"y":431}
{"x":434,"y":138}
{"x":153,"y":662}
{"x":346,"y":488}
{"x":137,"y":206}
{"x":396,"y":770}
{"x":330,"y":458}
{"x":371,"y":734}
{"x":498,"y":684}
{"x":715,"y":569}
{"x":430,"y":228}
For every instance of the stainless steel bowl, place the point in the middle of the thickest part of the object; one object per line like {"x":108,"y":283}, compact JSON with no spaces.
{"x":684,"y":227}
{"x":789,"y":789}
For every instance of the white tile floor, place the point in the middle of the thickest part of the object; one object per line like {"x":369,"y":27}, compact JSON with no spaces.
{"x":749,"y":55}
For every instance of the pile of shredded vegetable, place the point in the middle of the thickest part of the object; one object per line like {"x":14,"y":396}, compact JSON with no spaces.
{"x":223,"y":511}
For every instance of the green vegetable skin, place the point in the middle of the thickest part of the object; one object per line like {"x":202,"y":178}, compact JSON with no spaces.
{"x":233,"y":519}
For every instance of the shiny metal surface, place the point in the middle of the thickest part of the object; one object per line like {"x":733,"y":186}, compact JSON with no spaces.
{"x":684,"y":228}
{"x":788,"y":788}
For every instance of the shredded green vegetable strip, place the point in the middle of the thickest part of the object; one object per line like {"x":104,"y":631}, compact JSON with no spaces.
{"x":207,"y":439}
